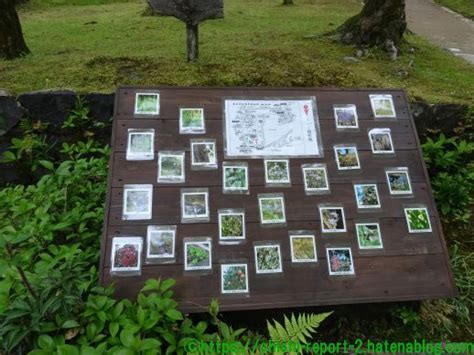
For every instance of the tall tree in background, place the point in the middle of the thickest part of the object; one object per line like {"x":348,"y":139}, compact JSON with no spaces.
{"x":12,"y":44}
{"x":380,"y":23}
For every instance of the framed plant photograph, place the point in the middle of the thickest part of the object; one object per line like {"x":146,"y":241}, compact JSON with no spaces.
{"x":231,"y":225}
{"x":191,"y":121}
{"x":303,"y":248}
{"x":398,"y":181}
{"x":367,"y":196}
{"x":382,"y":106}
{"x":140,"y":144}
{"x":332,"y":219}
{"x":272,"y":209}
{"x":234,"y":278}
{"x":147,"y":103}
{"x":194,"y":205}
{"x":315,"y":178}
{"x":197,"y":255}
{"x":277,"y":171}
{"x":267,"y":259}
{"x":171,"y":167}
{"x":369,"y":236}
{"x":137,"y":202}
{"x":340,"y":261}
{"x":203,"y":154}
{"x":418,"y":220}
{"x":126,"y":254}
{"x":347,"y":157}
{"x":381,"y":141}
{"x":235,"y":177}
{"x":346,"y":116}
{"x":161,"y":242}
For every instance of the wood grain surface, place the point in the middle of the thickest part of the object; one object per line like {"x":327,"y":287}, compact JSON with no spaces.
{"x":409,"y":267}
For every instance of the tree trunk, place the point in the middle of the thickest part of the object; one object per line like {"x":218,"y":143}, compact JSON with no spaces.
{"x":12,"y":44}
{"x":192,"y":36}
{"x":287,"y":2}
{"x":380,"y":23}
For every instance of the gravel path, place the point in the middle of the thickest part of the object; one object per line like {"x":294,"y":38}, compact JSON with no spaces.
{"x":442,"y":27}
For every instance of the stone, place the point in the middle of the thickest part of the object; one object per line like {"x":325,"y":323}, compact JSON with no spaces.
{"x":10,"y":113}
{"x":52,"y":106}
{"x":351,"y":59}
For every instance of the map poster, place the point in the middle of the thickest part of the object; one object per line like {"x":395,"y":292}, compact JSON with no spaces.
{"x":271,"y":128}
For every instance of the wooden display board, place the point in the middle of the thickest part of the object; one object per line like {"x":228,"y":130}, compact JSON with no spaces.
{"x":410,"y":266}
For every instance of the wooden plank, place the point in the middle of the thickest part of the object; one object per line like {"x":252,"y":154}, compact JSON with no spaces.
{"x":407,"y":278}
{"x":167,"y":135}
{"x":210,"y":99}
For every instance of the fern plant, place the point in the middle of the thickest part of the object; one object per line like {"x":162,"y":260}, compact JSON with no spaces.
{"x":296,"y":329}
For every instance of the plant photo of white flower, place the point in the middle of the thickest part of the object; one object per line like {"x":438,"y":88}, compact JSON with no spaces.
{"x":147,"y":103}
{"x":346,"y":116}
{"x":268,"y":259}
{"x":381,"y":141}
{"x":399,"y":181}
{"x":382,"y":106}
{"x":367,"y":195}
{"x":277,"y":171}
{"x":332,"y":219}
{"x":140,"y":144}
{"x":137,"y":202}
{"x":315,"y":178}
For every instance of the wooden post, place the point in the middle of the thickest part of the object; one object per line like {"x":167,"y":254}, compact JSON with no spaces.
{"x":192,"y":36}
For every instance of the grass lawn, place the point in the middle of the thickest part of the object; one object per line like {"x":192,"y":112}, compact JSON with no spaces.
{"x":259,"y":43}
{"x":464,"y":7}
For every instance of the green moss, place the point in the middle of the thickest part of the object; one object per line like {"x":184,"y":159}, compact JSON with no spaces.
{"x":96,"y":48}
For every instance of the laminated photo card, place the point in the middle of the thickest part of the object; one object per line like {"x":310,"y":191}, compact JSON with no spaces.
{"x":381,"y":141}
{"x":147,"y":103}
{"x":194,"y":205}
{"x":332,"y":219}
{"x":315,"y":178}
{"x":234,"y":278}
{"x":140,"y":144}
{"x":382,"y":106}
{"x":303,"y":248}
{"x":231,"y":224}
{"x":346,"y":117}
{"x":272,"y":209}
{"x":277,"y":172}
{"x":235,"y":176}
{"x":398,"y":181}
{"x":191,"y":121}
{"x":137,"y":202}
{"x":418,"y":220}
{"x":347,"y":157}
{"x":197,"y":255}
{"x":171,"y":167}
{"x":267,"y":259}
{"x":126,"y":255}
{"x":369,"y":236}
{"x":340,"y":261}
{"x":203,"y":154}
{"x":367,"y":196}
{"x":161,"y":242}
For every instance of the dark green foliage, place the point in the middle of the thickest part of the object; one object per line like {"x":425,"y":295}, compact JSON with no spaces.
{"x":197,"y":255}
{"x":235,"y":177}
{"x":268,"y":258}
{"x":231,"y":226}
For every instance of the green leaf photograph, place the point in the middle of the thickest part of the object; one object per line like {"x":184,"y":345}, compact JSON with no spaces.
{"x":368,"y":235}
{"x":272,"y":210}
{"x":303,"y":248}
{"x":192,"y":118}
{"x":367,"y":195}
{"x":231,"y":225}
{"x":235,"y":178}
{"x":171,"y":166}
{"x":197,"y":255}
{"x":418,"y":220}
{"x":277,"y":171}
{"x":141,"y":143}
{"x":147,"y":104}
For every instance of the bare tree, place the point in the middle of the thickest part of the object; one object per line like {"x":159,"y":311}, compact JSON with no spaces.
{"x":12,"y":43}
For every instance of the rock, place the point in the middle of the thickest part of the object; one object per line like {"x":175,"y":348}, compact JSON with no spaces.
{"x":10,"y":113}
{"x":52,"y":106}
{"x":351,"y":59}
{"x":101,"y":106}
{"x":359,"y":53}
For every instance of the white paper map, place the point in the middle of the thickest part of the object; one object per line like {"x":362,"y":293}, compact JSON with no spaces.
{"x":277,"y":127}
